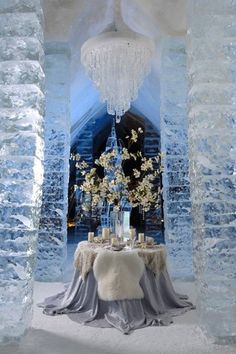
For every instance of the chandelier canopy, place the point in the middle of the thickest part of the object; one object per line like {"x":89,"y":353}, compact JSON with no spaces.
{"x":117,"y":62}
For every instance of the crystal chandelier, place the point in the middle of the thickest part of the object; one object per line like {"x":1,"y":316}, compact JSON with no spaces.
{"x":117,"y":61}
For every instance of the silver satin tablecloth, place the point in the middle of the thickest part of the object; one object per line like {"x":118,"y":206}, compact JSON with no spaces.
{"x":81,"y":302}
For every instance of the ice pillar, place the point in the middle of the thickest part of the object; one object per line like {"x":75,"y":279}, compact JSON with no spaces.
{"x":52,"y":239}
{"x":212,"y":117}
{"x":21,"y":153}
{"x":174,"y":144}
{"x":153,"y":218}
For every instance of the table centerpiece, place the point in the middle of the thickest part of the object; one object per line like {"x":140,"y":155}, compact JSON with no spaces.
{"x":108,"y":192}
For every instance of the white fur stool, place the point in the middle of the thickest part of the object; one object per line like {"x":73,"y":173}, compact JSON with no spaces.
{"x":118,"y":275}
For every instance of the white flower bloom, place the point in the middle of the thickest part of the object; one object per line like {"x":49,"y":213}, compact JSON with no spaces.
{"x":136,"y":173}
{"x":125,"y":154}
{"x":134,"y":136}
{"x":147,"y":165}
{"x":139,"y":188}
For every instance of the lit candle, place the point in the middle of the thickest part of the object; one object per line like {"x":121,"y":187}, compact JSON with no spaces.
{"x":105,"y":233}
{"x":141,"y":238}
{"x":90,"y":236}
{"x":132,"y":233}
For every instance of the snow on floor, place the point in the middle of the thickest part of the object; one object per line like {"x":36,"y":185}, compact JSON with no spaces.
{"x":60,"y":335}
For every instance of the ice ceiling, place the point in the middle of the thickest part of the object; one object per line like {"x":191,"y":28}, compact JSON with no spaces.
{"x":74,"y":21}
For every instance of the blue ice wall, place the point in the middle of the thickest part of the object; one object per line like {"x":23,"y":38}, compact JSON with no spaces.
{"x":83,"y":147}
{"x":53,"y":222}
{"x":212,"y":127}
{"x":174,"y":144}
{"x":21,"y":154}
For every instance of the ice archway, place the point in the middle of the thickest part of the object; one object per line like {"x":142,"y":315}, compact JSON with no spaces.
{"x":211,"y":121}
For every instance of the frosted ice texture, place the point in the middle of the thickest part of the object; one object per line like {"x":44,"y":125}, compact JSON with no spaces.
{"x":52,"y":237}
{"x":212,"y":117}
{"x":84,"y":147}
{"x":21,"y":152}
{"x":174,"y":144}
{"x":153,"y":223}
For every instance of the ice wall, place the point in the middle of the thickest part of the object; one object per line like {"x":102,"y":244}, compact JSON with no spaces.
{"x":21,"y":153}
{"x":53,"y":222}
{"x":212,"y":117}
{"x":84,"y":147}
{"x":174,"y":144}
{"x":153,"y":218}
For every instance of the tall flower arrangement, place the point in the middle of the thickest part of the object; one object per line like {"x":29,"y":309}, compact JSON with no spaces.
{"x":113,"y":186}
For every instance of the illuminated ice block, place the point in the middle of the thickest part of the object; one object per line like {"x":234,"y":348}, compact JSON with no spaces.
{"x":21,"y":154}
{"x":212,"y":116}
{"x":52,"y":240}
{"x":174,"y":145}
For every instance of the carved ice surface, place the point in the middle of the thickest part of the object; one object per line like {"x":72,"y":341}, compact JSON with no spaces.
{"x":174,"y":144}
{"x":212,"y":117}
{"x":84,"y":147}
{"x":21,"y":152}
{"x":53,"y":222}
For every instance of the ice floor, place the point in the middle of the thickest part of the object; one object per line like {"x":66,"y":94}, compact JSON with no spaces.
{"x":59,"y":335}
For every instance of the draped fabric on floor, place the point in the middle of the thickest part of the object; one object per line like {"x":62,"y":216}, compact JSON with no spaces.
{"x":81,"y":302}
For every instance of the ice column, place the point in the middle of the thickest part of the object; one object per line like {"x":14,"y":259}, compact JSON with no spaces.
{"x":174,"y":144}
{"x":212,"y":117}
{"x":153,"y":218}
{"x":84,"y":147}
{"x":53,"y":223}
{"x":21,"y":153}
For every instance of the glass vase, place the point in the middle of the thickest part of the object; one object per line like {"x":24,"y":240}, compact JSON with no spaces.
{"x":120,"y":223}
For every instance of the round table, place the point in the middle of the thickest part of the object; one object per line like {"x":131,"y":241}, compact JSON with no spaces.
{"x":80,"y":300}
{"x":153,"y":256}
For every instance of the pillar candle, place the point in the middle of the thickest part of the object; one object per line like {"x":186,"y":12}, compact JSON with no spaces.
{"x":141,"y":238}
{"x":90,"y":236}
{"x":105,"y":233}
{"x":132,"y":233}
